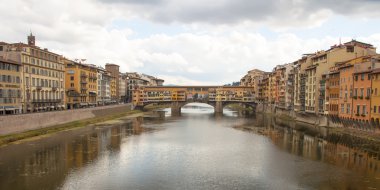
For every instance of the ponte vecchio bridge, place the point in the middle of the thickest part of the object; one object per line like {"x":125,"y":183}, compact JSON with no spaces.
{"x":178,"y":96}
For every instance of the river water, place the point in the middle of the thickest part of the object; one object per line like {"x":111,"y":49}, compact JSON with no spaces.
{"x":198,"y":150}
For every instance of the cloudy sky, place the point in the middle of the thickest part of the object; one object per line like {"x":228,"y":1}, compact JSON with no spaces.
{"x":190,"y":42}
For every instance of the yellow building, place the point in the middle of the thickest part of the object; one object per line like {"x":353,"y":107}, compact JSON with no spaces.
{"x":113,"y":88}
{"x":81,"y":84}
{"x":10,"y":87}
{"x":43,"y":75}
{"x":375,"y":96}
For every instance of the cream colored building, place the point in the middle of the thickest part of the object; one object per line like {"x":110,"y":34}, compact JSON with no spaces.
{"x":321,"y":63}
{"x":252,"y":79}
{"x":104,"y":87}
{"x":299,"y":82}
{"x":43,"y":75}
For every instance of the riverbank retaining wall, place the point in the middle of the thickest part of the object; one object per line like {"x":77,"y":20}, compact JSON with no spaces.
{"x":25,"y":122}
{"x":311,"y":119}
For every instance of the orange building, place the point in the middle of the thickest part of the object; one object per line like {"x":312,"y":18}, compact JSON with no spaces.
{"x":345,"y":100}
{"x":362,"y":94}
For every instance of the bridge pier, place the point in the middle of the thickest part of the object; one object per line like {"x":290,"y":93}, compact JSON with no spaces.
{"x":176,"y":109}
{"x":218,"y":107}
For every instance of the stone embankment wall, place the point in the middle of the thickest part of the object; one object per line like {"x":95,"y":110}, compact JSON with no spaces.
{"x":25,"y":122}
{"x":312,"y":119}
{"x":317,"y":123}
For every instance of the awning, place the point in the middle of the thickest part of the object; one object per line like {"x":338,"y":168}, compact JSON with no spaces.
{"x":83,"y":104}
{"x":52,"y":107}
{"x":9,"y":108}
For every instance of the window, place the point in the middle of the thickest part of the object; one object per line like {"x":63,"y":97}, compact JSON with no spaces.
{"x":350,"y":49}
{"x":369,"y":77}
{"x":348,"y":108}
{"x":72,"y":85}
{"x":71,"y":77}
{"x":357,"y":109}
{"x":356,"y":92}
{"x":27,"y":81}
{"x":342,"y":108}
{"x":375,"y":91}
{"x":368,"y":92}
{"x":362,"y":76}
{"x":364,"y":110}
{"x":356,"y":77}
{"x":362,"y":92}
{"x":1,"y":48}
{"x":374,"y":109}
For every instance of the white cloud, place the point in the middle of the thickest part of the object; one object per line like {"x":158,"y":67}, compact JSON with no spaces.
{"x":205,"y":53}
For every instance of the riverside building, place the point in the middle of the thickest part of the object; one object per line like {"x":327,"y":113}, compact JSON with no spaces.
{"x":81,"y":84}
{"x":10,"y":87}
{"x":42,"y":75}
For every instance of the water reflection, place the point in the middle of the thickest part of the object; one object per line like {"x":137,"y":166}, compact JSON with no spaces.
{"x":199,"y":150}
{"x":338,"y":150}
{"x":45,"y":163}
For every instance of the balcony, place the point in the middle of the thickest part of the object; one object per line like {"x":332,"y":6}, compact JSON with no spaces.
{"x":83,"y":75}
{"x":72,"y":94}
{"x":46,"y":100}
{"x":83,"y":82}
{"x":39,"y":87}
{"x":54,"y":88}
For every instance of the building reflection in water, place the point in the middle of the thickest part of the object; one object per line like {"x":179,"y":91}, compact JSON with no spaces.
{"x":332,"y":149}
{"x":51,"y":159}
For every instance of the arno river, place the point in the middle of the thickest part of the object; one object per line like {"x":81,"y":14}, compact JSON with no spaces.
{"x":198,"y":150}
